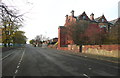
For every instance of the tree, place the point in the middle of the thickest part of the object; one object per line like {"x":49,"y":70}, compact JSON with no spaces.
{"x":39,"y":39}
{"x":85,"y":32}
{"x":11,"y":21}
{"x":32,"y":41}
{"x":19,"y":37}
{"x":113,"y":35}
{"x":76,"y":32}
{"x":95,"y":34}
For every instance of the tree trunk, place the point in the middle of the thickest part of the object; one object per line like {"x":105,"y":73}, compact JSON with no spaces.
{"x":80,"y":49}
{"x":5,"y":45}
{"x":9,"y":44}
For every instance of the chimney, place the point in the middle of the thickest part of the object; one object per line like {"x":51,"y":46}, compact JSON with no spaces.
{"x":119,"y":9}
{"x":92,"y":16}
{"x":66,"y":17}
{"x":72,"y":12}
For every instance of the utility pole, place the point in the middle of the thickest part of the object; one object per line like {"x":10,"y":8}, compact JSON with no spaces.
{"x":119,"y":9}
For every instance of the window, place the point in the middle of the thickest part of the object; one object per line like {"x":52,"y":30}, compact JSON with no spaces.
{"x":84,"y":17}
{"x":102,"y":20}
{"x":102,"y":26}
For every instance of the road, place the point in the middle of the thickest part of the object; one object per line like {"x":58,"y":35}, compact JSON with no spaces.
{"x":36,"y":61}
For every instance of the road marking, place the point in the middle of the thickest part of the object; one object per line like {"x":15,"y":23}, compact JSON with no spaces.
{"x":89,"y":68}
{"x":86,"y":75}
{"x":22,"y":56}
{"x":19,"y":63}
{"x":16,"y":71}
{"x":6,"y":56}
{"x":18,"y":66}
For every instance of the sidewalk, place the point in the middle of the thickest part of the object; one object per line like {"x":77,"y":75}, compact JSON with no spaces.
{"x":99,"y":57}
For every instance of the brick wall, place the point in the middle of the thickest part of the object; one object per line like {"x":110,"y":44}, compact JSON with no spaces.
{"x":63,"y":48}
{"x":105,"y":47}
{"x":73,"y":48}
{"x":104,"y":50}
{"x":61,"y":36}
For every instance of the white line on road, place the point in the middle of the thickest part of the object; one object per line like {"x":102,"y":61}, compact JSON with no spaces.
{"x":6,"y":56}
{"x":22,"y":56}
{"x":19,"y":63}
{"x":89,"y":68}
{"x":86,"y":75}
{"x":18,"y":66}
{"x":16,"y":71}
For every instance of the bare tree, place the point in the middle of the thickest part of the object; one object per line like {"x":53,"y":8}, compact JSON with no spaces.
{"x":10,"y":22}
{"x":76,"y":32}
{"x":40,"y":39}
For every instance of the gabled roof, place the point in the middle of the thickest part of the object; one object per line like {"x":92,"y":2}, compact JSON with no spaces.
{"x":115,"y":21}
{"x":81,"y":16}
{"x":97,"y":19}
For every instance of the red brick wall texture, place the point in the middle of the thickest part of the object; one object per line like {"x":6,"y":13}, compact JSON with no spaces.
{"x":104,"y":50}
{"x":105,"y":47}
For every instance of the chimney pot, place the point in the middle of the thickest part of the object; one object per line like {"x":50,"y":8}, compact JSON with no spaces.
{"x":92,"y":16}
{"x":72,"y":13}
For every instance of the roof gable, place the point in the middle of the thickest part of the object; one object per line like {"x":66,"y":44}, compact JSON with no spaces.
{"x":101,"y":19}
{"x":83,"y":16}
{"x":115,"y":21}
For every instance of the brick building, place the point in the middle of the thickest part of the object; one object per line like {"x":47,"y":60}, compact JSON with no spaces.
{"x":98,"y":23}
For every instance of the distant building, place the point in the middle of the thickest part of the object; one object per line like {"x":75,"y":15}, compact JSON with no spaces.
{"x":100,"y":23}
{"x":53,"y":41}
{"x":115,"y":21}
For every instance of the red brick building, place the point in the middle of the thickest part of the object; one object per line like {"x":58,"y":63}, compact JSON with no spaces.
{"x":95,"y":23}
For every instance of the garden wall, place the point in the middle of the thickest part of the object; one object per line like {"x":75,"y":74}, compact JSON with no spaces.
{"x":104,"y":50}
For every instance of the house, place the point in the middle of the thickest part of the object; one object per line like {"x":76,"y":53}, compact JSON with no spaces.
{"x":115,"y":21}
{"x":53,"y":41}
{"x":99,"y":23}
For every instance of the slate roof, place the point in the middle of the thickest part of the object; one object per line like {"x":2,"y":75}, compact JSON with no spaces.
{"x":97,"y":19}
{"x":114,"y":21}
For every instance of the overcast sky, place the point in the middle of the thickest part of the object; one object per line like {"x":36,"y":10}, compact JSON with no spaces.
{"x":45,"y":16}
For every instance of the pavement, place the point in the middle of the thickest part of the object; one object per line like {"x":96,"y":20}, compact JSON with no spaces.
{"x":99,"y":57}
{"x":36,"y":61}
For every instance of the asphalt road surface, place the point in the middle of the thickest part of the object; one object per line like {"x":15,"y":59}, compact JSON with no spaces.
{"x":36,"y":61}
